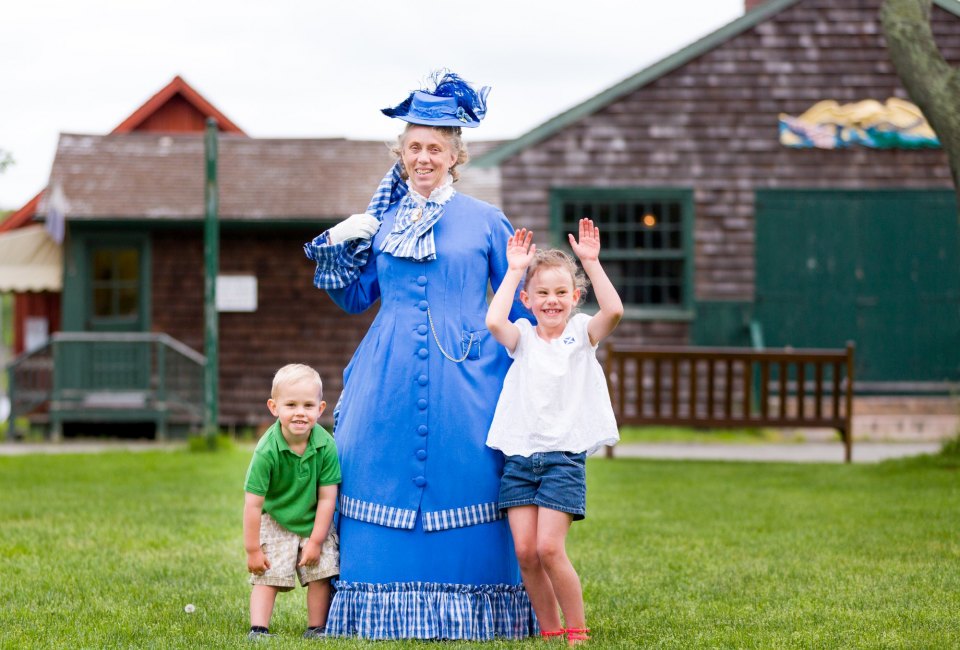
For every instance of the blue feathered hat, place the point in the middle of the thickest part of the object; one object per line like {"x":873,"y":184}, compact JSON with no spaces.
{"x":452,"y":102}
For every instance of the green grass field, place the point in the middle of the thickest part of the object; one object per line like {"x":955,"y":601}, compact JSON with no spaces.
{"x":104,"y":551}
{"x":706,"y":436}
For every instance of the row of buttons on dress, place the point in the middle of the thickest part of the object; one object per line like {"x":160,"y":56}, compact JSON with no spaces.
{"x":422,"y":380}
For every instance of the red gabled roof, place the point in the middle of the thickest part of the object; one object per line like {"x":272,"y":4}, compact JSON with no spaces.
{"x":159,"y":102}
{"x":171,"y":109}
{"x":23,"y":216}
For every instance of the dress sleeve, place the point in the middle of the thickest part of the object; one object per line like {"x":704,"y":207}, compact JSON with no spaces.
{"x":500,"y":232}
{"x":337,"y":264}
{"x":347,"y":271}
{"x":361,"y":292}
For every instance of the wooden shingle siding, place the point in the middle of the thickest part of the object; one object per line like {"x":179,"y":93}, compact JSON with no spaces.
{"x":712,"y":125}
{"x":294,"y":322}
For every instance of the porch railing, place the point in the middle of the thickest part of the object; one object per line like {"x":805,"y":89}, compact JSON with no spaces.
{"x":108,"y":377}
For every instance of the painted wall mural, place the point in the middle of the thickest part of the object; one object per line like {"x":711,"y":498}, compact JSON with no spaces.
{"x":896,"y":124}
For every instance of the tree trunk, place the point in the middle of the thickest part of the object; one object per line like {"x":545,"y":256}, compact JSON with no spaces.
{"x":932,"y":84}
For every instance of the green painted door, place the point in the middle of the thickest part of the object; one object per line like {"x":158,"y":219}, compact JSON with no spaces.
{"x":115,"y":287}
{"x":879,"y":268}
{"x":107,"y":291}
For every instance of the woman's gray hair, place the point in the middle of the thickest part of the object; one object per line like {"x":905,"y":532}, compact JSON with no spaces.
{"x":454,"y":138}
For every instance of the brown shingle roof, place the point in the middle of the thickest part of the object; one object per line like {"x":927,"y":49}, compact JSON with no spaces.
{"x":161,"y":176}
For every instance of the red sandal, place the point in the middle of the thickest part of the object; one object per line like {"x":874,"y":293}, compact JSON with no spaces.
{"x":577,"y":634}
{"x":547,"y":635}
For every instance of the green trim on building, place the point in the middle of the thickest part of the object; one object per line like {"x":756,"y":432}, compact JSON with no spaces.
{"x":77,"y":293}
{"x":228,"y":225}
{"x":722,"y":323}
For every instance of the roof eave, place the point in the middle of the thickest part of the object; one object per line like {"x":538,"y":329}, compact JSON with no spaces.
{"x":749,"y":20}
{"x":697,"y":48}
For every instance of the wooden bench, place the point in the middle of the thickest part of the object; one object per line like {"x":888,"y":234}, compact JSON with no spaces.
{"x":722,"y":388}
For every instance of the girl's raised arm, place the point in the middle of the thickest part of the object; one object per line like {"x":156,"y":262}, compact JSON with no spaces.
{"x":587,"y":249}
{"x":520,"y":250}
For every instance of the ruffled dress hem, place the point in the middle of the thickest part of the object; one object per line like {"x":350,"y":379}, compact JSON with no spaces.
{"x":426,"y":610}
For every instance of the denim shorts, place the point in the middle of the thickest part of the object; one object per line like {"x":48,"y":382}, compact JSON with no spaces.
{"x":552,"y":479}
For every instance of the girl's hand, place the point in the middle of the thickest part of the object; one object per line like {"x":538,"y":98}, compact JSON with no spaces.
{"x":588,"y":248}
{"x":520,"y":249}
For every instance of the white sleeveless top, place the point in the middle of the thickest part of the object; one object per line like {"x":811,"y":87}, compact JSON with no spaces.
{"x":554,"y":396}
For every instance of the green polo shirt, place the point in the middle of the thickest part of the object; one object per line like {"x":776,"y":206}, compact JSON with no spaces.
{"x":289,"y":483}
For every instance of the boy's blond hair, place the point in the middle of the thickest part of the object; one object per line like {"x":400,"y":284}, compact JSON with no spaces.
{"x":294,"y":372}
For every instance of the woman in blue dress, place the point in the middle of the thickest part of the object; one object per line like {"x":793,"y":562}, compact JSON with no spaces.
{"x":425,"y":552}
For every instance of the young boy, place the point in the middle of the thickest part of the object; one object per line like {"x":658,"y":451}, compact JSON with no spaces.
{"x":291,"y":490}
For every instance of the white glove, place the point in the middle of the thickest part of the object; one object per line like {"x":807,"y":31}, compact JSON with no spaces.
{"x":356,"y":226}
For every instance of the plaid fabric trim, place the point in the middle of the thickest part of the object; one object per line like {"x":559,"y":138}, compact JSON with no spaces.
{"x":426,"y":610}
{"x":414,"y":239}
{"x":481,"y":513}
{"x":339,"y":265}
{"x":374,"y":513}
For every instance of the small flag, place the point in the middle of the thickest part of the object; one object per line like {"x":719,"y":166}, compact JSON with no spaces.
{"x":57,"y":207}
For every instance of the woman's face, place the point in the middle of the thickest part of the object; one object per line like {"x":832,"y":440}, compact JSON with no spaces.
{"x":427,"y":156}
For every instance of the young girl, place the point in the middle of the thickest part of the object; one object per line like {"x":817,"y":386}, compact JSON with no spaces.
{"x":554,"y":409}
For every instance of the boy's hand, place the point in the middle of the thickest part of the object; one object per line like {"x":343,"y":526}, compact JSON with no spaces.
{"x":520,"y":249}
{"x":588,"y":248}
{"x":311,"y":554}
{"x":257,"y":562}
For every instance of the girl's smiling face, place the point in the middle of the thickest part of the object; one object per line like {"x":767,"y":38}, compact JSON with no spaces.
{"x":551,"y":296}
{"x":427,"y":157}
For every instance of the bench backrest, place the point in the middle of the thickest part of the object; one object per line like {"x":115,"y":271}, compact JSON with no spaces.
{"x":732,"y":387}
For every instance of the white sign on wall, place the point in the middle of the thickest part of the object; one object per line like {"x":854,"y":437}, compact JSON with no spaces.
{"x":236,"y":293}
{"x":36,"y":332}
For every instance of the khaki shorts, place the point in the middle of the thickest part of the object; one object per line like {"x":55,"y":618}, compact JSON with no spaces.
{"x":283,"y":549}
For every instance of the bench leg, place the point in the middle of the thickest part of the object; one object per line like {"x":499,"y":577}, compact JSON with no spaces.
{"x":161,"y":429}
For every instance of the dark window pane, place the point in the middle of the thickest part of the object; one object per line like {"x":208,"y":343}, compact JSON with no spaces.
{"x":127,"y":264}
{"x":674,"y":239}
{"x":115,"y":282}
{"x":630,"y":232}
{"x":127,"y":302}
{"x":102,"y":302}
{"x":102,"y":265}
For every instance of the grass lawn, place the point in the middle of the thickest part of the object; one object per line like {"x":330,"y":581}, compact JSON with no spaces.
{"x":708,"y":436}
{"x":104,"y":551}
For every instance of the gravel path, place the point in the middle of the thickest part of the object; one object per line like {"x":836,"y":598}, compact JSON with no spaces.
{"x":801,"y":452}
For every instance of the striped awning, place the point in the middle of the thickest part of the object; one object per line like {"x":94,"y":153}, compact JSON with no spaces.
{"x":30,"y":260}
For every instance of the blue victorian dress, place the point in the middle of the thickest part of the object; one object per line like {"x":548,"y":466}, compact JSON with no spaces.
{"x":425,"y":552}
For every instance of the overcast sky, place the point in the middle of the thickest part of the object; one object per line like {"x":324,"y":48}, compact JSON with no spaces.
{"x":312,"y":68}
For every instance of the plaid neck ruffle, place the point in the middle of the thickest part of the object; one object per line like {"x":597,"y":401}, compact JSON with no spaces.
{"x":339,"y":265}
{"x":412,"y":233}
